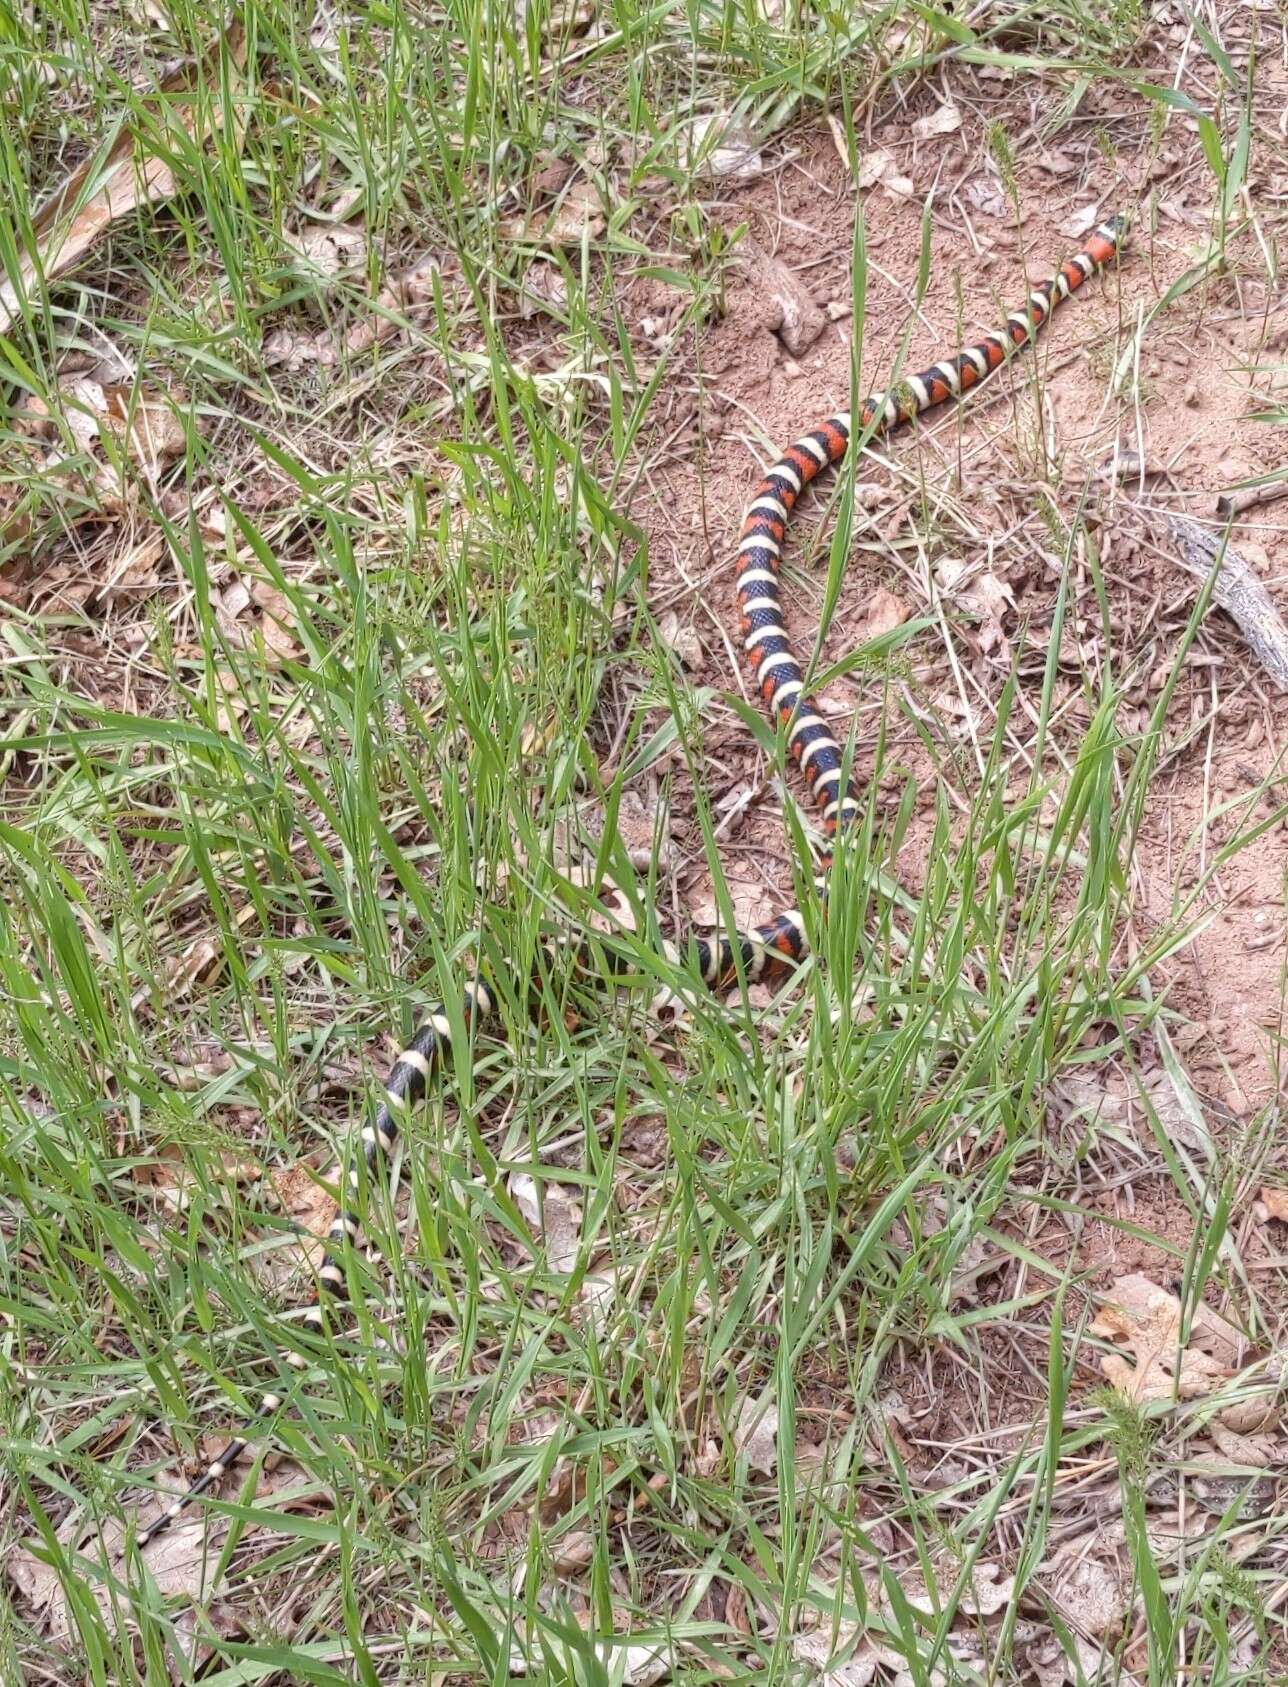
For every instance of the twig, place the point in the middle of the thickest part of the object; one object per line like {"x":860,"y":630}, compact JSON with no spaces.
{"x":1236,"y":589}
{"x":1231,"y":504}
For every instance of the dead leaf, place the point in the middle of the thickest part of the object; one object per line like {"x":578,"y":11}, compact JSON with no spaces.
{"x":304,"y":1199}
{"x":328,"y":249}
{"x":683,"y":640}
{"x":1089,"y":1595}
{"x":633,"y":1666}
{"x":756,"y":1433}
{"x":885,"y":612}
{"x":180,"y":1561}
{"x":579,"y":214}
{"x":106,"y":187}
{"x":200,"y":963}
{"x":615,"y":913}
{"x":844,"y":1656}
{"x":537,"y":737}
{"x":183,"y":1561}
{"x":723,"y":145}
{"x":598,"y":1294}
{"x":147,"y":424}
{"x":817,"y":1650}
{"x":1080,"y":223}
{"x":174,"y":1180}
{"x":1275,"y":1201}
{"x":1146,"y":1319}
{"x":943,"y":120}
{"x":840,"y":141}
{"x":234,"y":600}
{"x":82,"y":409}
{"x":641,"y":1666}
{"x":301,"y":1195}
{"x":553,"y":1216}
{"x":1155,"y":1378}
{"x":1254,"y":1452}
{"x":108,"y":421}
{"x":277,"y":619}
{"x":401,"y":302}
{"x":878,"y":166}
{"x":249,"y":611}
{"x":747,"y":897}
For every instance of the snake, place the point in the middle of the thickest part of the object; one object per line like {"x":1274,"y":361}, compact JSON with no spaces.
{"x":767,"y":951}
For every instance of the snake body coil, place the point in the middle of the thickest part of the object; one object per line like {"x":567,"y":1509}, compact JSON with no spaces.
{"x":770,"y":949}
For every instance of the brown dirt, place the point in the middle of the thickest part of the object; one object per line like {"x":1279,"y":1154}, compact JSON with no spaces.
{"x":969,"y":487}
{"x":963,"y":487}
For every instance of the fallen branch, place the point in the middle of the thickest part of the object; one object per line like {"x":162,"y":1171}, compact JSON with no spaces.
{"x":1236,"y":589}
{"x":1231,"y":504}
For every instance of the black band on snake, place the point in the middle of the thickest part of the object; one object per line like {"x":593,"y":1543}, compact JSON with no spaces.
{"x":768,"y":950}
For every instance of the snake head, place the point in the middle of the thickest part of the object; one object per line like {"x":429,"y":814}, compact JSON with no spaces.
{"x":1119,"y":226}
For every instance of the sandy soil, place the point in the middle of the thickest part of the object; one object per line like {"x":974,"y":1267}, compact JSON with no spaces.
{"x":968,"y":489}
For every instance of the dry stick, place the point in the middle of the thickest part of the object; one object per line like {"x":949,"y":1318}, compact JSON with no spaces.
{"x":1236,"y":589}
{"x":1231,"y":504}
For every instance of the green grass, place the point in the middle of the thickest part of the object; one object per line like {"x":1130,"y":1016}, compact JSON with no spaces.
{"x":237,"y":867}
